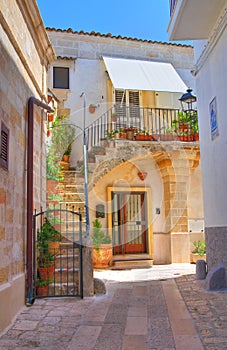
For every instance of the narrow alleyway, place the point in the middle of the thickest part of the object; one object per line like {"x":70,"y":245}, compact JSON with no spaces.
{"x":143,"y":309}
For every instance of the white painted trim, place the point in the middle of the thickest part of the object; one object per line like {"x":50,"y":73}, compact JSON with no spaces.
{"x":215,"y":36}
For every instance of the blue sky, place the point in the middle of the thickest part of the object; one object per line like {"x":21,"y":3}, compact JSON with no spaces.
{"x":147,"y":19}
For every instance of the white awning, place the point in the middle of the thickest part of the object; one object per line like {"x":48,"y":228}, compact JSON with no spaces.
{"x":131,"y":74}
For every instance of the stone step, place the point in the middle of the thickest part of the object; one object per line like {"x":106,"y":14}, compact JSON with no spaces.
{"x":73,"y":197}
{"x":66,"y":261}
{"x":64,"y":288}
{"x":66,"y":275}
{"x":131,"y":264}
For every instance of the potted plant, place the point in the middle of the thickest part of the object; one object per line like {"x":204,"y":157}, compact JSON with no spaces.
{"x":122,"y":133}
{"x":50,"y":117}
{"x":142,"y":175}
{"x":116,"y":134}
{"x":102,"y":246}
{"x":114,"y":117}
{"x":48,"y":247}
{"x":130,"y":131}
{"x":67,"y":153}
{"x":195,"y":128}
{"x":199,"y":251}
{"x":42,"y":286}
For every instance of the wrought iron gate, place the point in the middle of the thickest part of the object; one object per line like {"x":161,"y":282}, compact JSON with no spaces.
{"x":57,"y":253}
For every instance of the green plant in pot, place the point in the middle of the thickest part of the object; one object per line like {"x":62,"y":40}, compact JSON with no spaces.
{"x":67,"y":153}
{"x":199,"y":248}
{"x":42,"y":286}
{"x":99,"y":236}
{"x":199,"y":251}
{"x":48,"y":241}
{"x":102,"y":247}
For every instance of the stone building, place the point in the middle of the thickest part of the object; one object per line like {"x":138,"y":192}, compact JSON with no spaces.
{"x":25,"y":53}
{"x":205,"y":23}
{"x":153,"y":217}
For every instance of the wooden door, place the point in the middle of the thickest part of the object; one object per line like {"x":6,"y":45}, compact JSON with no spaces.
{"x":129,"y":222}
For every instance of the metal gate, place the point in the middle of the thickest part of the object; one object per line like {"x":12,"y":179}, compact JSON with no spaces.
{"x":57,"y":253}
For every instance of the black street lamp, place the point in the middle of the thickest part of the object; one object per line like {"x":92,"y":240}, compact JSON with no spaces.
{"x":189,"y":99}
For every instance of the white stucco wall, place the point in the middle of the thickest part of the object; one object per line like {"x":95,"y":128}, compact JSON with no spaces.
{"x":212,"y":82}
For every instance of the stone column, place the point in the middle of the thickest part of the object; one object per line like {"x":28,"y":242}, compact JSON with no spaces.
{"x":88,"y":278}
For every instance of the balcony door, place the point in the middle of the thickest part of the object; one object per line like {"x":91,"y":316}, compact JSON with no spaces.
{"x":129,"y":222}
{"x":127,"y":107}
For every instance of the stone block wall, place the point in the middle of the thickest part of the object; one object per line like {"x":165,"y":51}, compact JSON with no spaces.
{"x":23,"y":71}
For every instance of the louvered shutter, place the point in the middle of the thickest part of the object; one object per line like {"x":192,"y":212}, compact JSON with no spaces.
{"x":4,"y":151}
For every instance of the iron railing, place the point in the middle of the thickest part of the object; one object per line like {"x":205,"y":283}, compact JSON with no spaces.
{"x":57,"y":252}
{"x":172,"y":5}
{"x":155,"y":121}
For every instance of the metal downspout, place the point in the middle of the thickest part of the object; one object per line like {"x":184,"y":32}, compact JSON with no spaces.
{"x":31,"y":102}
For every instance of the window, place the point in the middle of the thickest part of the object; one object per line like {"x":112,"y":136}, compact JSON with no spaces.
{"x":61,"y":78}
{"x":4,"y":147}
{"x":127,"y":107}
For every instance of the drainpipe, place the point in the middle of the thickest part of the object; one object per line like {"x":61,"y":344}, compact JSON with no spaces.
{"x":31,"y":102}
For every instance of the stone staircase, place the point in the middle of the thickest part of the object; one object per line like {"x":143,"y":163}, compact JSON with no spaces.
{"x":66,"y":271}
{"x":72,"y":193}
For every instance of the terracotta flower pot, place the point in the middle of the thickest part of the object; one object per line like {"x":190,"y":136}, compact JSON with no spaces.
{"x":92,"y":109}
{"x":50,"y":117}
{"x":142,"y":175}
{"x":123,"y":135}
{"x":41,"y":290}
{"x":65,"y":158}
{"x":102,"y":256}
{"x":129,"y":135}
{"x":196,"y":137}
{"x":46,"y":273}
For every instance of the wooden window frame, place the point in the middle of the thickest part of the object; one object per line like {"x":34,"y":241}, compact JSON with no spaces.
{"x":4,"y":147}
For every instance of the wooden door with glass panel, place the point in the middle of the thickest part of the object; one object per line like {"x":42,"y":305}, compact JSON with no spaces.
{"x":129,"y":222}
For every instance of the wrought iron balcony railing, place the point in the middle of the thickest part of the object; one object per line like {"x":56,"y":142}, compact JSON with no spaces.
{"x":172,"y":5}
{"x":160,"y":124}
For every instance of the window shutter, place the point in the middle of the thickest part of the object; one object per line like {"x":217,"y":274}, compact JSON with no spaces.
{"x":4,"y":151}
{"x":134,"y":104}
{"x":120,"y":107}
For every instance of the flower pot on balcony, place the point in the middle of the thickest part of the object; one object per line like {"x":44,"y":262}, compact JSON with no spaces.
{"x":123,"y":135}
{"x":129,"y":135}
{"x":196,"y":137}
{"x":155,"y":137}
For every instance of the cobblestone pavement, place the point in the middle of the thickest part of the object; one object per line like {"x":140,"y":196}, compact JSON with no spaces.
{"x":208,"y":310}
{"x":144,"y":312}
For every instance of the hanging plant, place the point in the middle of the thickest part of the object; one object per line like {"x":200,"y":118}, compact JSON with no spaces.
{"x":142,"y":175}
{"x":92,"y":108}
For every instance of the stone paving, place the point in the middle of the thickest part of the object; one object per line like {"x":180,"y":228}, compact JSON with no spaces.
{"x":208,"y":310}
{"x":142,"y":309}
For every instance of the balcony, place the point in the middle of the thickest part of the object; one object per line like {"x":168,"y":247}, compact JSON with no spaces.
{"x":172,"y":5}
{"x":133,"y":123}
{"x":193,"y":20}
